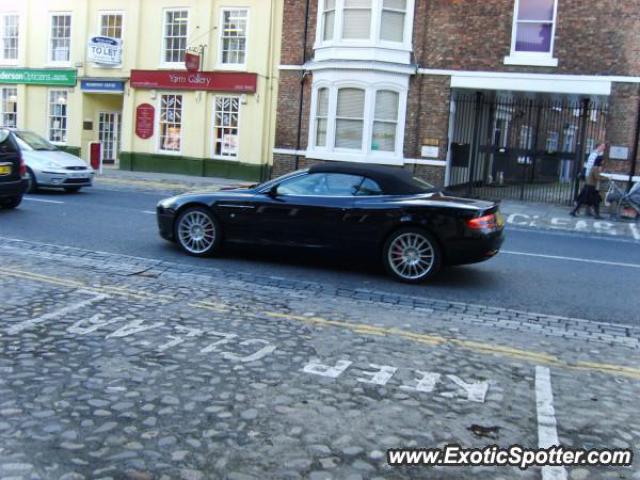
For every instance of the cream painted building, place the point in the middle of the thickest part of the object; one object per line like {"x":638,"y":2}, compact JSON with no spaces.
{"x":113,"y":72}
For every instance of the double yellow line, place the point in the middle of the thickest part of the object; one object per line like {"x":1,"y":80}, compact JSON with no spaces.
{"x":539,"y":358}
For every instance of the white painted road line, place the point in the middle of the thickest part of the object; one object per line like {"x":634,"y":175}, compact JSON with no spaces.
{"x":149,"y":212}
{"x":572,"y":259}
{"x":547,"y":426}
{"x":42,"y":200}
{"x":19,"y":327}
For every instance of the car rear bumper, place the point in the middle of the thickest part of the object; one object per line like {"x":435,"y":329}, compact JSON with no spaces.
{"x":474,"y":249}
{"x":13,"y":189}
{"x":165,"y":224}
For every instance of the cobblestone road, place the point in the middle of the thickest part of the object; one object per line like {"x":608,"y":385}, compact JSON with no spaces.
{"x":116,"y":367}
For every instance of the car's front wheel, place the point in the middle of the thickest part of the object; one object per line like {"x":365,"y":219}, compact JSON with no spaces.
{"x":198,"y":232}
{"x":32,"y":183}
{"x":10,"y":203}
{"x":412,"y":255}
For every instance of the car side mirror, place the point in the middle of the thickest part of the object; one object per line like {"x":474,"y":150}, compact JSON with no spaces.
{"x":273,"y":191}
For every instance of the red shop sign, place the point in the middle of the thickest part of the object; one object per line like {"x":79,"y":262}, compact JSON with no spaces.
{"x":145,"y":118}
{"x":181,"y":80}
{"x":192,"y":62}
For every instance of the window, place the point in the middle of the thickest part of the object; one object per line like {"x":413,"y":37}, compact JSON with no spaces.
{"x":225,"y":127}
{"x":369,"y":188}
{"x":60,"y":38}
{"x":322,"y":117}
{"x":111,"y":25}
{"x":385,"y":121}
{"x":350,"y":118}
{"x":170,"y":123}
{"x":322,"y":184}
{"x":9,"y":37}
{"x":356,"y":22}
{"x":233,"y":35}
{"x":533,"y":32}
{"x":176,"y":29}
{"x":58,"y":116}
{"x":9,"y":107}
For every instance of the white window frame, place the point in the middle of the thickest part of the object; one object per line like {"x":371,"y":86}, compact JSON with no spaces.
{"x":3,"y":60}
{"x":213,"y":125}
{"x":106,"y":13}
{"x":232,"y":66}
{"x":3,"y":112}
{"x":50,"y":60}
{"x":535,"y":59}
{"x":376,"y":18}
{"x":366,"y":154}
{"x":163,"y":63}
{"x":158,"y":124}
{"x":50,"y":115}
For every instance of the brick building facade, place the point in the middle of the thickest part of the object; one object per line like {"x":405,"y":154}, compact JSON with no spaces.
{"x":469,"y":93}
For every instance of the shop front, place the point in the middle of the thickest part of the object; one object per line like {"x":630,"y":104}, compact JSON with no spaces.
{"x":196,"y":123}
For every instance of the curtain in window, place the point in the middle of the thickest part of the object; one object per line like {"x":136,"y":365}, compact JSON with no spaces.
{"x":385,"y":121}
{"x":356,"y":19}
{"x":329,"y":19}
{"x":392,"y":24}
{"x":350,"y":118}
{"x":535,"y":25}
{"x":322,"y":114}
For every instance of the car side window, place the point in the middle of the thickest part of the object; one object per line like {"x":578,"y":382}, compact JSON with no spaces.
{"x":322,"y":184}
{"x":6,"y":143}
{"x":369,"y":188}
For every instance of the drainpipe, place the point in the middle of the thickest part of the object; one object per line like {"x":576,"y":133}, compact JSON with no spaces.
{"x":304,"y":76}
{"x":634,"y":158}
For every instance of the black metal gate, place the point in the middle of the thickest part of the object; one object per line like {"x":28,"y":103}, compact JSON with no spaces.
{"x":524,"y":147}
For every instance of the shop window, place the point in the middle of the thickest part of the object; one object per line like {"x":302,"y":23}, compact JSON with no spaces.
{"x":9,"y":33}
{"x":171,"y":123}
{"x":111,"y":25}
{"x":226,"y":127}
{"x":60,"y":38}
{"x":233,"y":37}
{"x":176,"y":28}
{"x":58,"y":116}
{"x":9,"y":113}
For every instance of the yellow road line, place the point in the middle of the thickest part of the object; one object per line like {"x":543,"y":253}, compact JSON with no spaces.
{"x":540,"y":358}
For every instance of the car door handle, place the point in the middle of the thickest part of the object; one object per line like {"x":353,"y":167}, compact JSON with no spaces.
{"x":243,"y":207}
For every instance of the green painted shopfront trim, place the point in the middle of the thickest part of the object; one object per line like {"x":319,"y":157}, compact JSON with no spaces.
{"x":198,"y":167}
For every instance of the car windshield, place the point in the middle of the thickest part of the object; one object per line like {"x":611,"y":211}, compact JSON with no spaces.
{"x":35,"y":141}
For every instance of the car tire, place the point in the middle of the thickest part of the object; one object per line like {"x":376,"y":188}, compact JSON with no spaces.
{"x":33,"y":183}
{"x":198,"y":232}
{"x":11,"y":203}
{"x":72,"y":189}
{"x":412,"y":255}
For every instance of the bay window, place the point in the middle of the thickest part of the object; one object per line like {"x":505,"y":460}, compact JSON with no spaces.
{"x":393,"y":20}
{"x":356,"y":19}
{"x":328,"y":19}
{"x":534,"y":25}
{"x":361,"y":121}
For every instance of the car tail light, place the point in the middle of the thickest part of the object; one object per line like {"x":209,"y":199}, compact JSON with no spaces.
{"x":23,"y":167}
{"x":486,"y":223}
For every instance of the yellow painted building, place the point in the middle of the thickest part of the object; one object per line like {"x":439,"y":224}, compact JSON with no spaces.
{"x":114,"y":72}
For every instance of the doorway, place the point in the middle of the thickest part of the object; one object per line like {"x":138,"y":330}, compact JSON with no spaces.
{"x":109,"y":133}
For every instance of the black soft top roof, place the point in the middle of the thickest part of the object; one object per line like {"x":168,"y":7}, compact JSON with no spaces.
{"x":392,"y":180}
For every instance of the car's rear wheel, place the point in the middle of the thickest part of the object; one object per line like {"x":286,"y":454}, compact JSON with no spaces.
{"x":10,"y":203}
{"x":32,"y":183}
{"x":198,"y":232}
{"x":412,"y":255}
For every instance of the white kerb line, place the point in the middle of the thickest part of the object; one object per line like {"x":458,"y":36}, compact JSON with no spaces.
{"x":19,"y":327}
{"x":547,"y":427}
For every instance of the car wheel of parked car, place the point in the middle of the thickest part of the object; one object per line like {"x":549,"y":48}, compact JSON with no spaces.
{"x":10,"y":203}
{"x":33,"y":184}
{"x":412,"y":255}
{"x":72,"y":189}
{"x":198,"y":232}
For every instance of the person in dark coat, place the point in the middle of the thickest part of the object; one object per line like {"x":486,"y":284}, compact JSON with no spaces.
{"x":589,"y":195}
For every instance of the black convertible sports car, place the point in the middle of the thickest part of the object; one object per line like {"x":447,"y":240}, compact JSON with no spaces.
{"x":383,"y":212}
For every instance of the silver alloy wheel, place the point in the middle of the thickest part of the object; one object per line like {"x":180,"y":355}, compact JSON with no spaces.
{"x":197,"y":232}
{"x":411,"y":256}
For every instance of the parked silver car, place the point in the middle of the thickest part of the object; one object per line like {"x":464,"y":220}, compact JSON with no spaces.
{"x":50,"y":167}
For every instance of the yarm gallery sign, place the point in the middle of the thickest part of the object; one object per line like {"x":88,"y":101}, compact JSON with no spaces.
{"x":183,"y":80}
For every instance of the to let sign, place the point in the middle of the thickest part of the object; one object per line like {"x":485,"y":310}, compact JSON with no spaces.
{"x":145,"y":117}
{"x":209,"y":81}
{"x":105,"y":51}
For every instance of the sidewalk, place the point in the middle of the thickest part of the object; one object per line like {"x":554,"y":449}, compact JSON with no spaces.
{"x":517,"y":214}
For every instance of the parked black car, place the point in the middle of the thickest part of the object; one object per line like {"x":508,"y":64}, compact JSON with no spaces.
{"x":12,"y":171}
{"x":383,"y":212}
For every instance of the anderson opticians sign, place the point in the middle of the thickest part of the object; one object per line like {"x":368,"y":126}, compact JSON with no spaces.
{"x":39,"y":76}
{"x":183,"y":80}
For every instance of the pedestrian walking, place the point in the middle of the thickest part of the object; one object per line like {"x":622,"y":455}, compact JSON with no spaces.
{"x":591,"y":160}
{"x":589,"y":195}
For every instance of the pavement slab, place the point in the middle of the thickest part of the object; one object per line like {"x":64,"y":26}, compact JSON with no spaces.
{"x":115,"y":367}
